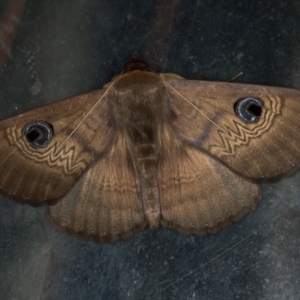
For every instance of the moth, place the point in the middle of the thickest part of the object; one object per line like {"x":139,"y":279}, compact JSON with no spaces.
{"x":151,"y":149}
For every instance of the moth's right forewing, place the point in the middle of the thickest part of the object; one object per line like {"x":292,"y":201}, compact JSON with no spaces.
{"x":262,"y":150}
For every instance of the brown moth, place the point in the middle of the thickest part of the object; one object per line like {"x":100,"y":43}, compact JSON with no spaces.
{"x":151,"y":149}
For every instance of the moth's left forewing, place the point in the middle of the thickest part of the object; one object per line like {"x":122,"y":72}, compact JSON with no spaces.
{"x":33,"y":174}
{"x":265,"y":149}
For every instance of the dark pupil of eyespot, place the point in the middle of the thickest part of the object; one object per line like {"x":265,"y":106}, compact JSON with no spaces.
{"x":255,"y":110}
{"x":33,"y":135}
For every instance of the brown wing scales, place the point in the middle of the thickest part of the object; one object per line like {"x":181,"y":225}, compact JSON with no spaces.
{"x":264,"y":150}
{"x":105,"y":204}
{"x":199,"y":194}
{"x":39,"y":175}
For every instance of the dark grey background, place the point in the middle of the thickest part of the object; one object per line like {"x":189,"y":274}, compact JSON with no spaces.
{"x":58,"y":51}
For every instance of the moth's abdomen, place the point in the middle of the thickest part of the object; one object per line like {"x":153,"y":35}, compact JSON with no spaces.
{"x":147,"y":169}
{"x":139,"y":104}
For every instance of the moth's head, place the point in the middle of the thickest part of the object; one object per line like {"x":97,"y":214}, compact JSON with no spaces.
{"x":136,"y":64}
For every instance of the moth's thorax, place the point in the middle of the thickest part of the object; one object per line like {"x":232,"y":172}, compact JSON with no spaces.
{"x":140,"y":106}
{"x":139,"y":99}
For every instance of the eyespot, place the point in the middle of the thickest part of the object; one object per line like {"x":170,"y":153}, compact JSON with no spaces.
{"x":249,"y":109}
{"x":38,"y":134}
